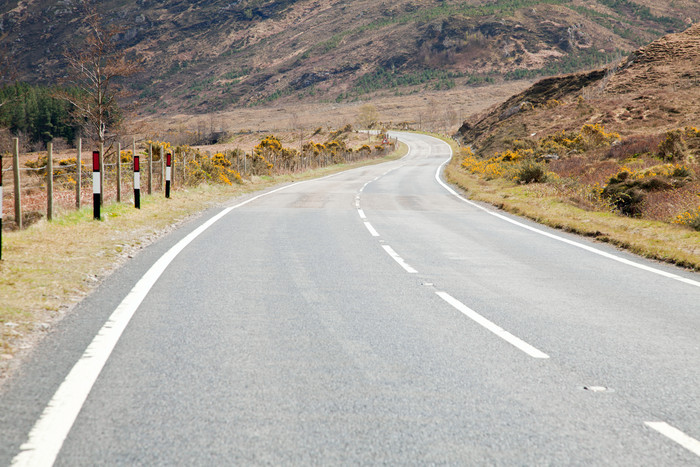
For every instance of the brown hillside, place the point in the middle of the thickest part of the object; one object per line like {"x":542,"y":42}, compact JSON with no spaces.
{"x":657,"y":88}
{"x":217,"y":55}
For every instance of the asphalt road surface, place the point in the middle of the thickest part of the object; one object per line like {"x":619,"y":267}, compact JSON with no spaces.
{"x":370,"y":317}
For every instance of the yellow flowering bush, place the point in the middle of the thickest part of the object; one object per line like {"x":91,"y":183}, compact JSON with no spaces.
{"x":501,"y":165}
{"x":690,"y":218}
{"x":157,"y":145}
{"x":203,"y":168}
{"x":126,"y":156}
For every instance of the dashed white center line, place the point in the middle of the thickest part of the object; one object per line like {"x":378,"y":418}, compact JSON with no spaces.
{"x":676,"y":435}
{"x":371,"y":229}
{"x":362,"y":214}
{"x":399,"y":259}
{"x":497,"y":330}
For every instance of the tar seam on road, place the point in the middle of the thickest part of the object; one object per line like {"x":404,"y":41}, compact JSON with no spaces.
{"x":676,"y":435}
{"x":497,"y":330}
{"x":562,"y":239}
{"x":50,"y":431}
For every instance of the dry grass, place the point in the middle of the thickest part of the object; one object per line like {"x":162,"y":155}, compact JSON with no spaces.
{"x":651,"y":239}
{"x":425,"y":111}
{"x":49,"y":267}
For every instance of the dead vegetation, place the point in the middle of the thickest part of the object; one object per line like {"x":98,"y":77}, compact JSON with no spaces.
{"x":622,"y":140}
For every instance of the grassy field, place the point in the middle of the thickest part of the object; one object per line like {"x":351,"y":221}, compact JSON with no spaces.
{"x":49,"y":267}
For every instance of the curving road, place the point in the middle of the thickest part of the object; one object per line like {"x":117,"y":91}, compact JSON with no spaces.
{"x":369,"y":317}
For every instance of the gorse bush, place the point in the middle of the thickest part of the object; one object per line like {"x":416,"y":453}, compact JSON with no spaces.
{"x":690,"y":218}
{"x":596,"y":169}
{"x":216,"y":169}
{"x":673,"y":146}
{"x":529,"y":171}
{"x":589,"y":137}
{"x":156,"y":146}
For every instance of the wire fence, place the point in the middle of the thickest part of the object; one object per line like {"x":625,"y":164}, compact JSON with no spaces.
{"x":35,"y":189}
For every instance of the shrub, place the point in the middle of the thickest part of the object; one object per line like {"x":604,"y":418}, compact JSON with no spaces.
{"x":690,"y":218}
{"x":626,"y":190}
{"x":530,"y":171}
{"x":211,"y":169}
{"x":634,"y":146}
{"x":673,"y":146}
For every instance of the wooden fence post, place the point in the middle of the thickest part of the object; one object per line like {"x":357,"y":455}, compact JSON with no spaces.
{"x":162,"y":167}
{"x":49,"y":181}
{"x":79,"y":174}
{"x":18,"y":191}
{"x":150,"y":168}
{"x":1,"y":206}
{"x":119,"y":172}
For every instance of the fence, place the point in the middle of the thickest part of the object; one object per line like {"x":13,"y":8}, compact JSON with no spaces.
{"x":40,"y":187}
{"x":31,"y":194}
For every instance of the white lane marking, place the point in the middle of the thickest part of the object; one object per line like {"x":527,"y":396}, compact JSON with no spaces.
{"x":676,"y":435}
{"x":562,"y":239}
{"x":497,"y":330}
{"x":371,"y":229}
{"x":48,"y":434}
{"x":362,"y":214}
{"x":399,"y":259}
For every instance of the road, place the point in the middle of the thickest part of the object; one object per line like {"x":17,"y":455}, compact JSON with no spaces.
{"x":370,"y":317}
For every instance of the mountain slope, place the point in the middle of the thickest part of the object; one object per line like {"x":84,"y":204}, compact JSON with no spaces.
{"x":219,"y":54}
{"x":655,"y":89}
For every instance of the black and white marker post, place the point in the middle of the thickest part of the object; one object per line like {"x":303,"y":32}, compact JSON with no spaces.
{"x":96,"y":188}
{"x":168,"y":174}
{"x":137,"y":183}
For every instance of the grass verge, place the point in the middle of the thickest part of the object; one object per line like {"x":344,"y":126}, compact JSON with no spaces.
{"x":651,"y":239}
{"x":49,"y":267}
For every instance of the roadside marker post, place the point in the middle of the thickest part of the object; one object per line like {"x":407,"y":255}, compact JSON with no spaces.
{"x":96,"y":188}
{"x":168,"y":173}
{"x":137,"y":183}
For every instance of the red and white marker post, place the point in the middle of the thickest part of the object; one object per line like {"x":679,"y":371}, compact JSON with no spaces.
{"x":168,"y":173}
{"x":96,"y":188}
{"x":137,"y":183}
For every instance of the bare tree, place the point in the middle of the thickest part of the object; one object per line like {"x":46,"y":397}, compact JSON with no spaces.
{"x":94,"y":68}
{"x":368,"y":116}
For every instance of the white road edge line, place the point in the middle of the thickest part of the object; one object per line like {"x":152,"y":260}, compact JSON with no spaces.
{"x":497,"y":330}
{"x":676,"y":435}
{"x":399,"y":259}
{"x":50,"y":431}
{"x":562,"y":239}
{"x":371,"y":229}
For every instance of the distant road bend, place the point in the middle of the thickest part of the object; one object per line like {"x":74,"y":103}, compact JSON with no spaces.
{"x":373,"y":316}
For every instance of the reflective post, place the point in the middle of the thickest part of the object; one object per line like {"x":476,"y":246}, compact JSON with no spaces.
{"x":168,"y":173}
{"x":96,"y":186}
{"x":137,"y":183}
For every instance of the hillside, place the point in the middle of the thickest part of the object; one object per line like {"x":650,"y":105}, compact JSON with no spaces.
{"x":218,"y":54}
{"x":655,"y":89}
{"x":623,"y":139}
